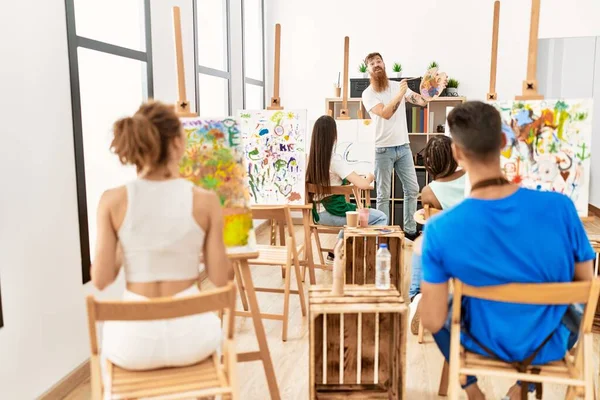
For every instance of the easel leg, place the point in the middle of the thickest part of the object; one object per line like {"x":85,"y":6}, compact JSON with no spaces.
{"x":308,"y":253}
{"x":259,"y":329}
{"x":240,"y":285}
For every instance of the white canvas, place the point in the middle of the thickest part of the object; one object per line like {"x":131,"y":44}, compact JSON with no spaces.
{"x":548,"y":146}
{"x":356,"y":144}
{"x":275,"y":150}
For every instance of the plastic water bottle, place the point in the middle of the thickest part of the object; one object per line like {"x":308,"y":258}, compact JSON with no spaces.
{"x":383,"y":261}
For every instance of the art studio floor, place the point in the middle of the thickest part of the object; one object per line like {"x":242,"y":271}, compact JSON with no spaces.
{"x":290,"y":359}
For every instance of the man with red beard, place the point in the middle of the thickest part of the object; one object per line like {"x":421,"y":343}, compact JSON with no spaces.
{"x":385,"y":101}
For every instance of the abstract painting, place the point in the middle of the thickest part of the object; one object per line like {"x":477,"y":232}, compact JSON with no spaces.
{"x":356,"y":144}
{"x":433,"y":83}
{"x":275,"y":151}
{"x":214,"y":160}
{"x":548,"y":146}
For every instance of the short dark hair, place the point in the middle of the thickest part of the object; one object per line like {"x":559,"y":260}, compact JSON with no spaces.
{"x":476,"y":127}
{"x":371,"y":56}
{"x":438,"y":158}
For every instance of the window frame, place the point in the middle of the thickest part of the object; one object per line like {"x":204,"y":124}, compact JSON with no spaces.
{"x":74,"y":43}
{"x":245,"y":79}
{"x":200,"y":69}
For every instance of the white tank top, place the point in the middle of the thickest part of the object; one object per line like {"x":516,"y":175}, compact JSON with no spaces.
{"x":161,"y":240}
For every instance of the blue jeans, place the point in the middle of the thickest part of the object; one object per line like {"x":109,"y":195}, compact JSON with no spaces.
{"x":416,"y":276}
{"x":399,"y":158}
{"x":571,"y":320}
{"x":376,"y":217}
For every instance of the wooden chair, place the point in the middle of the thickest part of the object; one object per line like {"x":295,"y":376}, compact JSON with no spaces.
{"x":210,"y":377}
{"x":575,"y":370}
{"x":315,"y":228}
{"x":287,"y":256}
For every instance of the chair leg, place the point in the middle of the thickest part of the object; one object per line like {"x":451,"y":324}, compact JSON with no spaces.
{"x":420,"y":333}
{"x":286,"y":302}
{"x":240,"y":285}
{"x":318,"y":241}
{"x":524,"y":390}
{"x":300,"y":287}
{"x":539,"y":390}
{"x":443,"y":389}
{"x":571,"y":392}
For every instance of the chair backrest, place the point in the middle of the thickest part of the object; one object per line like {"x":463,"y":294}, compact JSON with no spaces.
{"x":346,"y":190}
{"x":221,"y":299}
{"x":585,"y":292}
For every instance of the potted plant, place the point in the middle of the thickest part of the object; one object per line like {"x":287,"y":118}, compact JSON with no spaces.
{"x":397,"y":68}
{"x":452,"y":87}
{"x":363,"y":68}
{"x":433,"y":64}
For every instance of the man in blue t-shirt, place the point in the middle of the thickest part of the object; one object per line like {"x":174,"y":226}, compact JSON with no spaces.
{"x":501,"y":234}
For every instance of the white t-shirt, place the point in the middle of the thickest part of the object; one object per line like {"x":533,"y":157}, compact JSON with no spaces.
{"x":338,"y":170}
{"x":393,"y":131}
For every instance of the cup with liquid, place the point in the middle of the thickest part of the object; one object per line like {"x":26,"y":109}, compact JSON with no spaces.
{"x":352,"y":219}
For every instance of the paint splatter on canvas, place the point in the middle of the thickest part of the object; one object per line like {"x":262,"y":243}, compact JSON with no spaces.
{"x":214,"y":160}
{"x":356,"y":144}
{"x":548,"y":146}
{"x":274,"y":146}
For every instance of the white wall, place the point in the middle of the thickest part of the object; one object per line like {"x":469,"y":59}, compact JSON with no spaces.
{"x":313,"y":33}
{"x":45,"y":333}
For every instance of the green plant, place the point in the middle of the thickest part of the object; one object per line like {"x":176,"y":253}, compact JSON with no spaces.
{"x":397,"y":67}
{"x":453,"y":83}
{"x":362,"y":67}
{"x":433,"y":64}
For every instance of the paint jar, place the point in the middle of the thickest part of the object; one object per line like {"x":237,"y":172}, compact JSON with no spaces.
{"x":352,"y":219}
{"x":338,"y":92}
{"x":363,"y":214}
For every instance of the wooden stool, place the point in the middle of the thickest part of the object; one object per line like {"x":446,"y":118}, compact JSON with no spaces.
{"x":357,"y":343}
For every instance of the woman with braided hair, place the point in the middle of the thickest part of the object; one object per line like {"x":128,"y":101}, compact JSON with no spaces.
{"x":446,"y":190}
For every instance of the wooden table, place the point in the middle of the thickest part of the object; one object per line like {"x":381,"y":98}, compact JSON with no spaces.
{"x":248,"y":296}
{"x":357,"y":343}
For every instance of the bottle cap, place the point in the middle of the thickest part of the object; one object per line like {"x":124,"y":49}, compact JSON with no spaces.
{"x":383,"y":246}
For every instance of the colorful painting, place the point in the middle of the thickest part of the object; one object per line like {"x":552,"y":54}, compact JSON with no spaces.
{"x":356,"y":144}
{"x":275,"y":151}
{"x":548,"y":146}
{"x":433,"y":83}
{"x":214,"y":160}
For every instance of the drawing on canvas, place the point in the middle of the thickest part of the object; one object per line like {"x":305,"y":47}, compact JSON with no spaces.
{"x":275,"y":151}
{"x":356,"y":144}
{"x":548,"y":146}
{"x":214,"y":160}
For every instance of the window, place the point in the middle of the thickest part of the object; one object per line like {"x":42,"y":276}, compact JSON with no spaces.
{"x":111,"y":75}
{"x":253,"y":42}
{"x":213,"y":75}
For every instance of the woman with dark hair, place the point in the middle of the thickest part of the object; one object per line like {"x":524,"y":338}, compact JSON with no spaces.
{"x":445,"y":191}
{"x":326,"y":169}
{"x":448,"y":185}
{"x":156,"y":227}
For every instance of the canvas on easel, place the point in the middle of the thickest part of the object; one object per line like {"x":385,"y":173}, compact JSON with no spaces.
{"x":548,"y":146}
{"x":356,"y":144}
{"x":275,"y":153}
{"x":214,"y":160}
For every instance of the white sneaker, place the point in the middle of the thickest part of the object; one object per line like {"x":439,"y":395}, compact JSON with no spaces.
{"x":414,"y":315}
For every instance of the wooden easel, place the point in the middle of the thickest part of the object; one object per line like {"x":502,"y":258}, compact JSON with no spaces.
{"x":240,"y":261}
{"x":492,"y":95}
{"x":183,"y":105}
{"x":275,"y":100}
{"x":344,"y":111}
{"x":530,"y":86}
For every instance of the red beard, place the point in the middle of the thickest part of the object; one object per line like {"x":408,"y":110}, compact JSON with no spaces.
{"x":379,"y":80}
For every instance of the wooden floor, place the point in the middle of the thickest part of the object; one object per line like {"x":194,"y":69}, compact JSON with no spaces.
{"x":290,"y":359}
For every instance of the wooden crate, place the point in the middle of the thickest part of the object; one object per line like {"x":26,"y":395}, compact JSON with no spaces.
{"x":357,"y":343}
{"x":360,"y":249}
